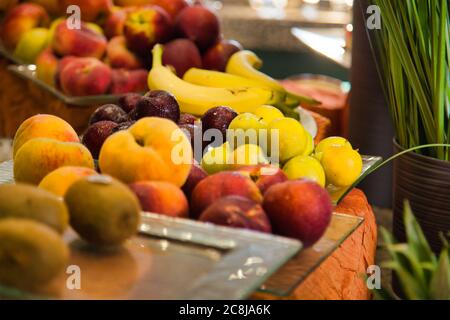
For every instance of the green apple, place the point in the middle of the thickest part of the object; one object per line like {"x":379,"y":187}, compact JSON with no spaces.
{"x":31,"y":44}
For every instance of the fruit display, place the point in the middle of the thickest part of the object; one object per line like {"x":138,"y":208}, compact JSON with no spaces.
{"x":196,"y":132}
{"x":111,"y":53}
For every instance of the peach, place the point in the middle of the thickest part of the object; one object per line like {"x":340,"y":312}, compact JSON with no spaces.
{"x":237,"y":212}
{"x":85,"y":76}
{"x":62,"y":63}
{"x":152,"y":149}
{"x":83,"y":42}
{"x":161,"y":197}
{"x":43,"y":126}
{"x":125,"y":81}
{"x":119,"y":56}
{"x":146,"y":26}
{"x":172,"y":7}
{"x":19,"y":20}
{"x":51,"y":6}
{"x":220,"y":185}
{"x":59,"y":180}
{"x":47,"y":66}
{"x":115,"y":22}
{"x":128,"y":3}
{"x":90,"y":9}
{"x":40,"y":156}
{"x":264,"y":176}
{"x":298,"y":209}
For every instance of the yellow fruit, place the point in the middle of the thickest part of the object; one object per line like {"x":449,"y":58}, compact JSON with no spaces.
{"x":59,"y":180}
{"x":309,"y":146}
{"x":292,"y":138}
{"x":216,"y":159}
{"x":268,"y":113}
{"x":248,"y":154}
{"x":245,"y":129}
{"x":31,"y":44}
{"x":342,"y":165}
{"x":305,"y":167}
{"x":330,"y":141}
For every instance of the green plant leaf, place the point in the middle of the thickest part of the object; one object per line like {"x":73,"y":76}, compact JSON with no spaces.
{"x":415,"y":236}
{"x":440,"y":282}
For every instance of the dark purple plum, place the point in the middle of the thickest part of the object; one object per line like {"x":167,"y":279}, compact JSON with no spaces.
{"x":109,"y":112}
{"x":196,"y":175}
{"x":129,"y":101}
{"x":96,"y":134}
{"x":218,"y":118}
{"x":187,"y":118}
{"x":158,"y":103}
{"x":123,"y":126}
{"x":237,"y":212}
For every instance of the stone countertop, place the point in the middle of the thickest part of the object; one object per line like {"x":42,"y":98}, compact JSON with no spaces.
{"x":271,"y":30}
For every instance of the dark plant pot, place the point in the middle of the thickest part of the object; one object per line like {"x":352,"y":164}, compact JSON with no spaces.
{"x":425,"y":182}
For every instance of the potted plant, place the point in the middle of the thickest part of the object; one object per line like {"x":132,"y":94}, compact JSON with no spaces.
{"x":412,"y":51}
{"x":422,"y":275}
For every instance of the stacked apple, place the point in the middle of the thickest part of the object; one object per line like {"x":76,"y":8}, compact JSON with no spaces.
{"x":110,"y":51}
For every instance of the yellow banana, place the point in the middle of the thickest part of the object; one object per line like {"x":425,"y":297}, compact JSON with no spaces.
{"x":217,"y":79}
{"x":197,"y":99}
{"x":245,"y":63}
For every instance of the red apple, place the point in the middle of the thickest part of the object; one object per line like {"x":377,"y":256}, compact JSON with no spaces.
{"x":119,"y":56}
{"x":83,"y":42}
{"x":182,"y":54}
{"x":299,"y":209}
{"x":125,"y":81}
{"x":146,"y":26}
{"x":62,"y":63}
{"x":85,"y":76}
{"x":237,"y":212}
{"x":198,"y":24}
{"x":19,"y":20}
{"x":217,"y":56}
{"x":220,"y":185}
{"x":161,"y":197}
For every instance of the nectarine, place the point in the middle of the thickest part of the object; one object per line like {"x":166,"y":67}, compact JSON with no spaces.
{"x":151,"y":149}
{"x":161,"y":197}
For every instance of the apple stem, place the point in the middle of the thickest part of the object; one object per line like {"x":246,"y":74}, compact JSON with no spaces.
{"x":157,"y":55}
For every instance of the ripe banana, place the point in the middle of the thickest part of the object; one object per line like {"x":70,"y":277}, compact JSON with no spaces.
{"x":197,"y":99}
{"x":217,"y":79}
{"x":245,"y":63}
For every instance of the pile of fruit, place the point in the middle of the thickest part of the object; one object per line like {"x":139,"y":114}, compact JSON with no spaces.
{"x":109,"y":51}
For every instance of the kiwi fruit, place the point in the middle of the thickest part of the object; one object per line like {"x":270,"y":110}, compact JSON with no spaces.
{"x":31,"y":253}
{"x":102,"y":210}
{"x":29,"y":202}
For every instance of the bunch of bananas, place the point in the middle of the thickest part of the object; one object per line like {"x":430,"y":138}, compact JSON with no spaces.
{"x":242,"y":87}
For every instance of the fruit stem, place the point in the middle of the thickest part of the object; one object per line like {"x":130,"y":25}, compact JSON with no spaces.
{"x":157,"y":52}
